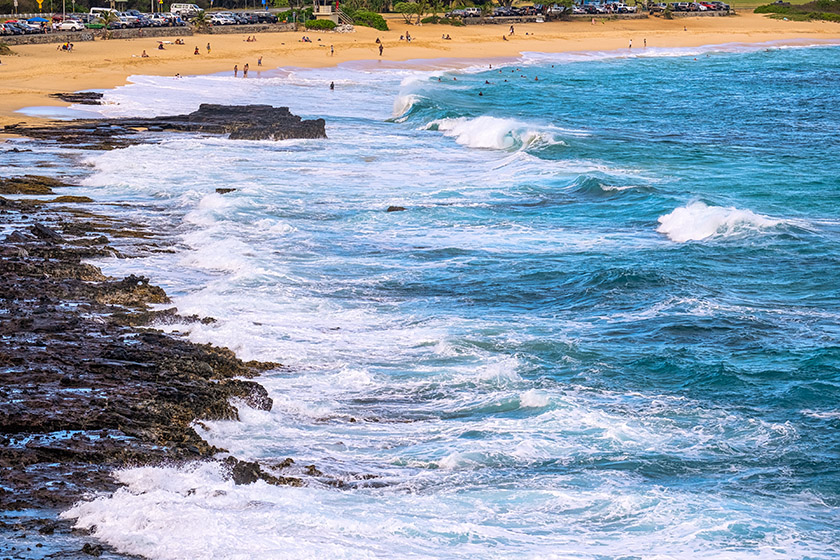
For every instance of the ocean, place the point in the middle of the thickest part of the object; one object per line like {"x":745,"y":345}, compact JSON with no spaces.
{"x":605,"y":326}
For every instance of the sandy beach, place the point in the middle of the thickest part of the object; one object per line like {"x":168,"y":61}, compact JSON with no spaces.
{"x":39,"y":70}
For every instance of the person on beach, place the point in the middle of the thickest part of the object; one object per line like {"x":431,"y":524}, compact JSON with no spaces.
{"x":504,"y":38}
{"x":144,"y":55}
{"x":332,"y":86}
{"x":332,"y":50}
{"x":245,"y":70}
{"x":259,"y":61}
{"x":631,"y":44}
{"x":160,"y":47}
{"x":381,"y":48}
{"x":511,"y":30}
{"x":196,"y":51}
{"x":645,"y":42}
{"x":235,"y":70}
{"x":208,"y":48}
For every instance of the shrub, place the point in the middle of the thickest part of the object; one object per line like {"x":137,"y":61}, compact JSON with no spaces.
{"x":370,"y":19}
{"x":325,"y":24}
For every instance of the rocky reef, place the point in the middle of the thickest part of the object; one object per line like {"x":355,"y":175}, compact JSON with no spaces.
{"x":239,"y":122}
{"x":86,"y":385}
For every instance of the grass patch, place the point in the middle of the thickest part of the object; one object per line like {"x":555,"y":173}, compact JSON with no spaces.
{"x":5,"y":50}
{"x":820,"y":10}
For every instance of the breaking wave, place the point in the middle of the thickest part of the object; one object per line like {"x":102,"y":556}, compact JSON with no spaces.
{"x":494,"y":133}
{"x":698,"y":221}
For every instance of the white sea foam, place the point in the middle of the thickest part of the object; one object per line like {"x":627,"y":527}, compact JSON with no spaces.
{"x":698,"y":221}
{"x":494,"y":133}
{"x":533,"y":398}
{"x":404,"y":103}
{"x":449,"y":430}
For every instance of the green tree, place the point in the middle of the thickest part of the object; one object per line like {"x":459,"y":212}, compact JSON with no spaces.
{"x":201,"y":20}
{"x":406,"y":10}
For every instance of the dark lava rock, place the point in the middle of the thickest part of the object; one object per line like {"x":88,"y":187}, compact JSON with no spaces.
{"x":93,"y":550}
{"x":224,"y":191}
{"x":395,"y":209}
{"x":81,"y":97}
{"x":240,"y":122}
{"x":43,"y":232}
{"x":30,"y":184}
{"x":86,"y":387}
{"x":248,"y":472}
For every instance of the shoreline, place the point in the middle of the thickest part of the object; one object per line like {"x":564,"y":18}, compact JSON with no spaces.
{"x":26,"y":80}
{"x":92,"y":384}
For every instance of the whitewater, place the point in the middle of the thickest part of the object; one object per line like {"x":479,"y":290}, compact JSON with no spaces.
{"x":605,"y":324}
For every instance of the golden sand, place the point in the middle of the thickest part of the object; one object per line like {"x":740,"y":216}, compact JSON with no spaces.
{"x":38,"y":70}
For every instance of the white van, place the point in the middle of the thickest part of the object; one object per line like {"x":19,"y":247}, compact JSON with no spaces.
{"x":101,"y":12}
{"x":184,"y":9}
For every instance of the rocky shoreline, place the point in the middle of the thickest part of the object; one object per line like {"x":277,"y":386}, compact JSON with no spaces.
{"x":239,"y":122}
{"x":88,"y":385}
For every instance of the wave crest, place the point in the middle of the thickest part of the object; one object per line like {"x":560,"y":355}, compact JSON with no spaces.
{"x":493,"y":133}
{"x":698,"y":221}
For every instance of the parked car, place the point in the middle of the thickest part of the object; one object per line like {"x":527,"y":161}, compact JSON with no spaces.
{"x":12,"y":29}
{"x":185,"y":10}
{"x":472,"y":12}
{"x":266,"y":17}
{"x":71,"y":25}
{"x":455,"y":14}
{"x":721,"y":6}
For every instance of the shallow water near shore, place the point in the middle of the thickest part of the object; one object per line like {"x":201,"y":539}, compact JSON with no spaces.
{"x":605,"y":325}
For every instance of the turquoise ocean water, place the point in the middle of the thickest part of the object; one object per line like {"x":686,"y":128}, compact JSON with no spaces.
{"x":604,"y":327}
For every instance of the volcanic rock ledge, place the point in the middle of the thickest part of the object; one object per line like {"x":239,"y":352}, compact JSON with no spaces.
{"x":240,"y":122}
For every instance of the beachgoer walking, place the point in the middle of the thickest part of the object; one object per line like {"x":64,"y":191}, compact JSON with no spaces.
{"x":381,"y":48}
{"x":259,"y":61}
{"x":235,"y":70}
{"x":332,"y":86}
{"x":245,"y":70}
{"x":332,"y":50}
{"x":645,"y":43}
{"x":511,"y":30}
{"x":631,"y":44}
{"x":208,"y":48}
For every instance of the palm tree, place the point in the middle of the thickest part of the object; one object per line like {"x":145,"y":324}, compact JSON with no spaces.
{"x":108,"y":18}
{"x":200,"y":20}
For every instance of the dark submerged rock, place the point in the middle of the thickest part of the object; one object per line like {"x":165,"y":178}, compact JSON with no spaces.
{"x":395,"y":209}
{"x":81,"y":97}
